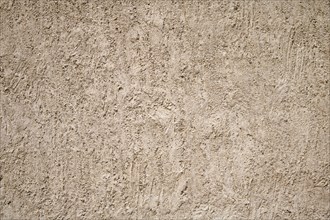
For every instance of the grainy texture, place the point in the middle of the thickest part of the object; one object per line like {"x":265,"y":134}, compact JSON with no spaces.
{"x":164,"y":109}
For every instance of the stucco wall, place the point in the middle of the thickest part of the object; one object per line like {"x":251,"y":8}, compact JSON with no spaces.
{"x":164,"y":109}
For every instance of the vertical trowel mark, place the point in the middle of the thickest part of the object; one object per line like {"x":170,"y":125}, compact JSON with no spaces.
{"x":302,"y":64}
{"x":179,"y":195}
{"x":296,"y":67}
{"x":137,"y":192}
{"x":151,"y":186}
{"x":275,"y":203}
{"x":131,"y":171}
{"x":289,"y":48}
{"x":299,"y":63}
{"x":252,"y":14}
{"x":248,"y":15}
{"x":13,"y":84}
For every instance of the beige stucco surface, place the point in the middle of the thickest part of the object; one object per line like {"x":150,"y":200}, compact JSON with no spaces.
{"x":164,"y":109}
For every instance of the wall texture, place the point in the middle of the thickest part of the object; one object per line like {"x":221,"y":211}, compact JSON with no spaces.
{"x":164,"y":109}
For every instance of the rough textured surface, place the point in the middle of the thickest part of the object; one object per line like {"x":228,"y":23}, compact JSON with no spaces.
{"x":164,"y":109}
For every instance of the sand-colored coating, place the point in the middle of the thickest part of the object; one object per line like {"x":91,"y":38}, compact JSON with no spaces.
{"x":164,"y":109}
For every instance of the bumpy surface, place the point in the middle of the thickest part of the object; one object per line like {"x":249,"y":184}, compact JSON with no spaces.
{"x":164,"y":109}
